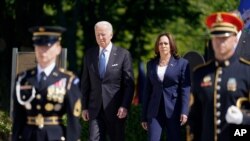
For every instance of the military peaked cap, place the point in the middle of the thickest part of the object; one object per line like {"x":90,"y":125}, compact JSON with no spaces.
{"x":46,"y":35}
{"x":222,"y":24}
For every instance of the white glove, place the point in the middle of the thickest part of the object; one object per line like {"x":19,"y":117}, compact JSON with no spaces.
{"x":234,"y":115}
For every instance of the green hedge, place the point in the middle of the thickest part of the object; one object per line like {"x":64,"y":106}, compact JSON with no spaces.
{"x":134,"y":131}
{"x":5,"y":126}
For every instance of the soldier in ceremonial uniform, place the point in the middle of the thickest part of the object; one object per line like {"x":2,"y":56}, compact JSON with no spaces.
{"x":46,"y":94}
{"x":220,"y":84}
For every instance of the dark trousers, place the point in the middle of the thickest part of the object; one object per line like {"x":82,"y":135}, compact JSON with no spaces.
{"x":40,"y":137}
{"x":161,"y":122}
{"x":33,"y":133}
{"x":102,"y":126}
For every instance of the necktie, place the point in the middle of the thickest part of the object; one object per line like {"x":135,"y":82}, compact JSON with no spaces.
{"x":43,"y":78}
{"x":102,"y":62}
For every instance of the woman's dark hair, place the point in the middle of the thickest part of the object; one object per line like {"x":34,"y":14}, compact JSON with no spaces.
{"x":173,"y":47}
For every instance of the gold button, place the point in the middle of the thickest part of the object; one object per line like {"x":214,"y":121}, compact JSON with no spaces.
{"x":218,"y":122}
{"x":218,"y":96}
{"x":227,"y":63}
{"x":218,"y":87}
{"x":219,"y":80}
{"x":220,"y":71}
{"x":218,"y":105}
{"x":218,"y":131}
{"x":38,"y":96}
{"x":216,"y":64}
{"x":38,"y":107}
{"x":218,"y":113}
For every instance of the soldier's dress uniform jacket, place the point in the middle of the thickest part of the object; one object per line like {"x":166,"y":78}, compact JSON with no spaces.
{"x":39,"y":111}
{"x":215,"y":87}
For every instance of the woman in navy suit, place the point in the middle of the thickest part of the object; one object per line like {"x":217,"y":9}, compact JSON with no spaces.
{"x":166,"y":98}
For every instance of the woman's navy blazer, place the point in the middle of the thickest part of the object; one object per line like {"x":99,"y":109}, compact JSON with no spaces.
{"x":174,"y":89}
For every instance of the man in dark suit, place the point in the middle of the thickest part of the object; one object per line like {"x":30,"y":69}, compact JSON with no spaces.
{"x":46,"y":93}
{"x":107,"y":86}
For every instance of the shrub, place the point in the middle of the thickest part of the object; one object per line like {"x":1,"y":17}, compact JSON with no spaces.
{"x":5,"y":126}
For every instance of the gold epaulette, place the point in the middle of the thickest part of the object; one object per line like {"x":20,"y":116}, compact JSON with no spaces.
{"x":71,"y":74}
{"x":202,"y":65}
{"x":245,"y":60}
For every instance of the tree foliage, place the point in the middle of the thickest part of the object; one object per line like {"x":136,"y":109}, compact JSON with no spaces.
{"x":136,"y":24}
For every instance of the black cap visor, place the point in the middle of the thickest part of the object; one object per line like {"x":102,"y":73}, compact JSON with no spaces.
{"x":44,"y":40}
{"x":222,"y":33}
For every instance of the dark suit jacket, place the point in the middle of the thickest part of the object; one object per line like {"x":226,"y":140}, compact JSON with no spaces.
{"x":212,"y":98}
{"x":116,"y":89}
{"x":64,"y":102}
{"x":174,"y":89}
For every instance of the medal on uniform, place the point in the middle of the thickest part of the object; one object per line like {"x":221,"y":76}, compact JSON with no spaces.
{"x":49,"y":107}
{"x":61,"y":95}
{"x":55,"y":97}
{"x":57,"y":107}
{"x":60,"y":99}
{"x":61,"y":91}
{"x":51,"y":90}
{"x":49,"y":97}
{"x":231,"y":84}
{"x":206,"y":81}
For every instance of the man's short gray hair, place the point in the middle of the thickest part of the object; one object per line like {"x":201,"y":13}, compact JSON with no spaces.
{"x":104,"y":23}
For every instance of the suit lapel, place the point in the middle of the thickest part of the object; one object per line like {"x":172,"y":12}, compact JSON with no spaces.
{"x":155,"y":68}
{"x":170,"y":68}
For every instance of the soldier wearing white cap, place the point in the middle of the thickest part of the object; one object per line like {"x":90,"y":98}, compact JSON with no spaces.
{"x":221,"y":84}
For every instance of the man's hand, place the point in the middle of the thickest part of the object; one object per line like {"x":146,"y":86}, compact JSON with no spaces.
{"x":122,"y":112}
{"x":234,"y":115}
{"x":183,"y":119}
{"x":85,"y":115}
{"x":144,"y":125}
